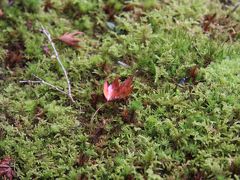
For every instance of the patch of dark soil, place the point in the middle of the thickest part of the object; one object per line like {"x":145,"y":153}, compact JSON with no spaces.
{"x":129,"y":116}
{"x":15,"y":55}
{"x":12,"y":120}
{"x":98,"y":132}
{"x":199,"y":175}
{"x":129,"y":177}
{"x":110,"y":11}
{"x":81,"y":160}
{"x":96,"y":98}
{"x":39,"y":115}
{"x":82,"y":177}
{"x":226,"y":2}
{"x":234,"y":168}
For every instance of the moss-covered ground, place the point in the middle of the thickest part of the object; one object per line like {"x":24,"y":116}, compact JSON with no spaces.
{"x":182,"y":120}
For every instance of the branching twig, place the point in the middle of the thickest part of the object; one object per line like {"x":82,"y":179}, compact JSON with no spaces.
{"x":45,"y":31}
{"x":43,"y":82}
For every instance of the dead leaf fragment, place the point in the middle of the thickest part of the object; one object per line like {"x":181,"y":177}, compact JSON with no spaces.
{"x":207,"y":21}
{"x":117,"y":90}
{"x":71,"y":39}
{"x":13,"y":58}
{"x":6,"y":170}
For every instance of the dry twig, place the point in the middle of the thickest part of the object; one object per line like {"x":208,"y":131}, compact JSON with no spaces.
{"x":41,"y":81}
{"x":45,"y":31}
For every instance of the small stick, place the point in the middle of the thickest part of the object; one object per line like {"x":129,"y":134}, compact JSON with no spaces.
{"x":30,"y":82}
{"x":45,"y":31}
{"x":43,"y":82}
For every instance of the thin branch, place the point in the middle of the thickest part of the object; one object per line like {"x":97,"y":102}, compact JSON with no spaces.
{"x":30,"y":82}
{"x":45,"y":31}
{"x":41,"y":81}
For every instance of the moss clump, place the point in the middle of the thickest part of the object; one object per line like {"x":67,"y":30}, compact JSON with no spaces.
{"x":173,"y":125}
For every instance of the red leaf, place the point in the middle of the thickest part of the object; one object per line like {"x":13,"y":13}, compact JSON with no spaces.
{"x":71,"y":39}
{"x":117,"y":90}
{"x":5,"y":168}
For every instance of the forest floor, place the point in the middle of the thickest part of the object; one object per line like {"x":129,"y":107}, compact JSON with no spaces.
{"x":181,"y":120}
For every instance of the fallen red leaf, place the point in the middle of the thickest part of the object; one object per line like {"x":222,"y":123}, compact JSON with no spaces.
{"x":6,"y":170}
{"x":117,"y":90}
{"x":71,"y":39}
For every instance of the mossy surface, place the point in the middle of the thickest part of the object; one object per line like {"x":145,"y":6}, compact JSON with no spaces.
{"x":181,"y":120}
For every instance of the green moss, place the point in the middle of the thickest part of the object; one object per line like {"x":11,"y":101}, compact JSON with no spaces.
{"x":172,"y":126}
